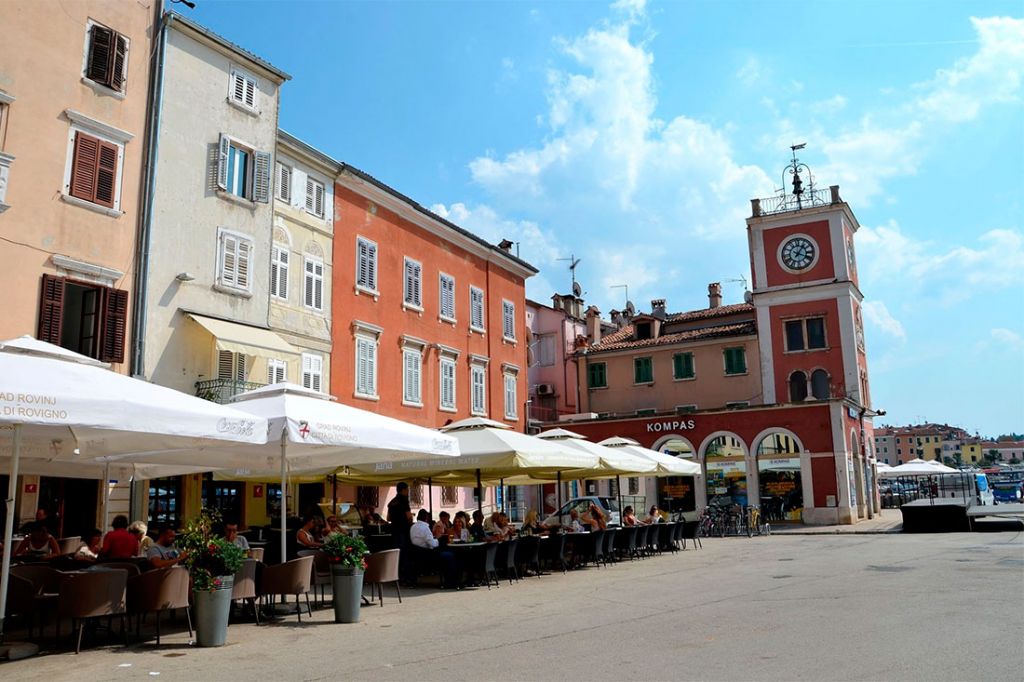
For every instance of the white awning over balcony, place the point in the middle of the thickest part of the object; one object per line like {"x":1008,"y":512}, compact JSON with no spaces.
{"x":239,"y":338}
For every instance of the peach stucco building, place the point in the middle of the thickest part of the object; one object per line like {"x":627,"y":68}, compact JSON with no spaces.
{"x":74,"y":83}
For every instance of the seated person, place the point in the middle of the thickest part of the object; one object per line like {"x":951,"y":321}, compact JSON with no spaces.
{"x":138,"y":529}
{"x":476,"y":529}
{"x":163,"y":553}
{"x":239,"y":541}
{"x":90,"y":549}
{"x":491,"y":522}
{"x":38,"y":544}
{"x":594,"y":518}
{"x":460,"y":532}
{"x":119,"y":543}
{"x":629,"y":517}
{"x":443,"y":525}
{"x":574,"y":522}
{"x":502,"y":529}
{"x":420,"y":534}
{"x":654,"y":516}
{"x":531,"y":524}
{"x":332,"y":526}
{"x":307,"y":536}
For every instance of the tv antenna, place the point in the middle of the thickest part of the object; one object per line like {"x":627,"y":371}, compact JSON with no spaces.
{"x":573,"y":262}
{"x":622,"y":286}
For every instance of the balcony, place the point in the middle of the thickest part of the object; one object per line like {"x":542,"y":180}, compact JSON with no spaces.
{"x":222,"y":390}
{"x":784,"y":202}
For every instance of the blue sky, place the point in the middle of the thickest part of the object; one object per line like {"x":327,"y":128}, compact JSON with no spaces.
{"x":633,"y":135}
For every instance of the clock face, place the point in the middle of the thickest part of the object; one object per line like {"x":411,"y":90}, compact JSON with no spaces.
{"x":799,"y":253}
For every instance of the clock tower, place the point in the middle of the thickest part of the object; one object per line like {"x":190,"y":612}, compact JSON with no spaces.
{"x":805,"y":294}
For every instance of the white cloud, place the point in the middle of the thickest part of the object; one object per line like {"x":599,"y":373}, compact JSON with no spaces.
{"x":877,"y":314}
{"x":751,"y":72}
{"x":1008,"y":339}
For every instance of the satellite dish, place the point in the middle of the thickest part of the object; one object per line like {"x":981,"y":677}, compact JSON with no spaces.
{"x":748,"y":297}
{"x":577,"y":290}
{"x":630,"y":308}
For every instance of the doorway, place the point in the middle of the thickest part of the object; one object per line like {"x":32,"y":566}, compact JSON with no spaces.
{"x":72,"y":502}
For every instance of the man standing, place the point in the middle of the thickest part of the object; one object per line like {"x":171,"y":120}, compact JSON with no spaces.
{"x":399,"y":522}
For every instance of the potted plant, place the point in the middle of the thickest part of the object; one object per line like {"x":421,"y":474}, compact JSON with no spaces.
{"x":212,"y":562}
{"x":347,"y":557}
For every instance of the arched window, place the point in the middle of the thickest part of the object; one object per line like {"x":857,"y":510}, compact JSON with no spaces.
{"x":797,"y":387}
{"x":819,"y":384}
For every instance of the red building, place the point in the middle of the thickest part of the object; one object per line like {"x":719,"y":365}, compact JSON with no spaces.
{"x":771,"y":396}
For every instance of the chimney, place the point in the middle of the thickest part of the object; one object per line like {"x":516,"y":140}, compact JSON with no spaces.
{"x":506,"y":245}
{"x":658,"y":308}
{"x":618,"y":319}
{"x":594,"y":325}
{"x":714,"y":295}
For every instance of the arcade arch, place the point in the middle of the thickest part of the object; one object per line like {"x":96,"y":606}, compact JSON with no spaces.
{"x":726,"y":470}
{"x":677,"y":493}
{"x":779,"y":474}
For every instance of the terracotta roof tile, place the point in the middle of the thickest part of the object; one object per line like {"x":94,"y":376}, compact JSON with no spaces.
{"x":623,"y":338}
{"x":709,"y":313}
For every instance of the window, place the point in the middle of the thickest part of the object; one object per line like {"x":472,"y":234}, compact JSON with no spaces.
{"x":412,"y":361}
{"x":106,"y":60}
{"x":546,"y":350}
{"x":735,"y":405}
{"x":243,"y":89}
{"x":231,"y":366}
{"x":313,"y":284}
{"x":243,"y":171}
{"x":284,"y":182}
{"x":366,"y":367}
{"x":735,"y":360}
{"x":478,"y":390}
{"x":646,"y":412}
{"x":797,"y":387}
{"x":279,"y":255}
{"x":643,"y":370}
{"x":314,"y":197}
{"x":416,"y":494}
{"x":234,"y":259}
{"x":597,"y":375}
{"x":508,"y":320}
{"x":447,"y":297}
{"x":277,"y":371}
{"x":447,"y":383}
{"x":820,"y":384}
{"x":413,"y":284}
{"x":806,"y":334}
{"x":366,"y":265}
{"x":165,"y":501}
{"x":476,"y":309}
{"x":511,"y":399}
{"x":94,"y":170}
{"x":682,"y":366}
{"x":86,"y":318}
{"x":449,"y":495}
{"x":643,"y":330}
{"x":312,"y":371}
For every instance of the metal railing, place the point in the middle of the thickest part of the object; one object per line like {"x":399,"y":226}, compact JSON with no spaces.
{"x":222,"y":390}
{"x":782,"y":203}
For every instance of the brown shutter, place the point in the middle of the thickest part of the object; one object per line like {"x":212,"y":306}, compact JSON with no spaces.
{"x":100,"y":55}
{"x":115,"y":325}
{"x":106,"y":174}
{"x":117,"y":71}
{"x":51,"y":309}
{"x":83,"y":167}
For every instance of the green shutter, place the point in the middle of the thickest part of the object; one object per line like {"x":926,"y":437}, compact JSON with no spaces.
{"x":682,"y":365}
{"x":596,"y":376}
{"x":735,"y":361}
{"x":642,"y":371}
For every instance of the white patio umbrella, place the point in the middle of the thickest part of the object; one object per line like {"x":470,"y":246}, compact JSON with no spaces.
{"x":917,"y":467}
{"x":881,"y":467}
{"x":310,"y":432}
{"x":63,"y":407}
{"x":666,"y":465}
{"x":942,"y":468}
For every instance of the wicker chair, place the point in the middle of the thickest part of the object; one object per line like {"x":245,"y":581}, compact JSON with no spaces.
{"x":159,"y":590}
{"x":640,"y":545}
{"x":321,"y":576}
{"x":92,"y":594}
{"x":490,"y":554}
{"x":245,"y":585}
{"x":292,"y":577}
{"x":528,"y":553}
{"x":506,"y":559}
{"x":70,"y":544}
{"x":382,"y":567}
{"x":554,"y":551}
{"x":691,"y":530}
{"x":256,"y":553}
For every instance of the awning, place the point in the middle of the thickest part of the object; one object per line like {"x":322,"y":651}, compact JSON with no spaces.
{"x":239,"y":338}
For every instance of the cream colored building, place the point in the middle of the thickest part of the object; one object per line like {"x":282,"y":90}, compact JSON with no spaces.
{"x":300,"y":261}
{"x":74,"y":81}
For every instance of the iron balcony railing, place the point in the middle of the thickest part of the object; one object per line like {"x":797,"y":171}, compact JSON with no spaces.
{"x":222,"y":390}
{"x":782,"y":203}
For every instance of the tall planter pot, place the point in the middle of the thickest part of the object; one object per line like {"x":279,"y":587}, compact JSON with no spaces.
{"x":212,"y":609}
{"x":347,"y":586}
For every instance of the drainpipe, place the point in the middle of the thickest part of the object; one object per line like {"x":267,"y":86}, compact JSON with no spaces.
{"x":145,"y":223}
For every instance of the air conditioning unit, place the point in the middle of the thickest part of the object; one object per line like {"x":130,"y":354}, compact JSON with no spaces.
{"x":545,"y":389}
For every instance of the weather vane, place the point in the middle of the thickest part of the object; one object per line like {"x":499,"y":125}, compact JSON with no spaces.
{"x":794,"y":169}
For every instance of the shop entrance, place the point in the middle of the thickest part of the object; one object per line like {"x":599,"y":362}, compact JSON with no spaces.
{"x":778,"y":468}
{"x":677,"y":493}
{"x":71,"y":503}
{"x":726,"y":471}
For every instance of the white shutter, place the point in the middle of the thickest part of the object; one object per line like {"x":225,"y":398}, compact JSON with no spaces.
{"x":279,"y":271}
{"x":447,"y":297}
{"x":277,"y":371}
{"x":261,"y":178}
{"x":250,"y":93}
{"x":310,"y":200}
{"x":244,"y":255}
{"x":284,"y":182}
{"x":366,"y":367}
{"x":371,"y":257}
{"x":312,"y":371}
{"x":307,"y":285}
{"x":314,"y":197}
{"x":238,"y":87}
{"x":239,"y":367}
{"x":313,"y":284}
{"x":411,"y":376}
{"x":508,"y":315}
{"x":222,"y":161}
{"x":229,"y":259}
{"x":366,"y":266}
{"x":476,"y":306}
{"x":225,"y":365}
{"x":447,"y":383}
{"x":319,"y":203}
{"x":511,"y":400}
{"x":478,"y":386}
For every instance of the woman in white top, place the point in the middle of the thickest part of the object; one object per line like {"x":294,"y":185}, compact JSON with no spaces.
{"x":654,"y":516}
{"x":90,"y":550}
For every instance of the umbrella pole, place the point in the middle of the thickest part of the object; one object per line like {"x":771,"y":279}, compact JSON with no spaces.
{"x":334,"y":494}
{"x":430,"y":497}
{"x":501,"y":487}
{"x":618,"y":490}
{"x":284,"y":496}
{"x":479,"y":494}
{"x":558,"y":494}
{"x":106,"y":496}
{"x":12,"y":488}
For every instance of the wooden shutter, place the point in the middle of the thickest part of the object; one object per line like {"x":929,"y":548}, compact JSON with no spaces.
{"x":284,"y":182}
{"x":51,"y":309}
{"x":261,"y":178}
{"x":362,"y":263}
{"x":229,"y":259}
{"x":371,"y":265}
{"x":318,"y":190}
{"x":115,"y":325}
{"x":318,"y":285}
{"x":118,"y":68}
{"x":244,"y":254}
{"x":310,"y":199}
{"x":106,"y":174}
{"x":100,"y":54}
{"x":224,"y":146}
{"x":83,"y":166}
{"x":310,"y":281}
{"x":225,"y":365}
